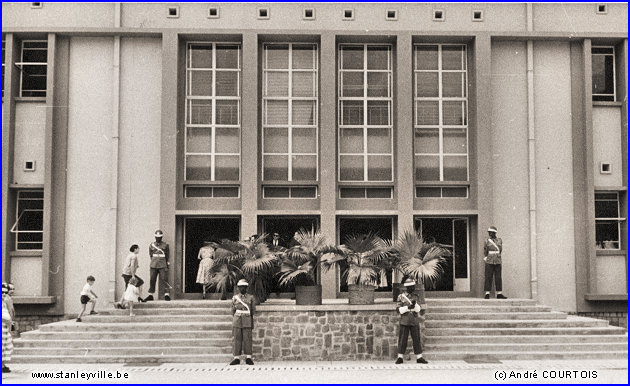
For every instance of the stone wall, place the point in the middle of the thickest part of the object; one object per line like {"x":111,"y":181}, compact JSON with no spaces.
{"x":29,"y":323}
{"x":619,"y":319}
{"x":299,"y":333}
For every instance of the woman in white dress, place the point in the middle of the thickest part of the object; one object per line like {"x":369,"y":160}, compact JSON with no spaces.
{"x":204,"y":274}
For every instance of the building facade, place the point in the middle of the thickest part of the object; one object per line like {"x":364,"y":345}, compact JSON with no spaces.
{"x":223,"y":120}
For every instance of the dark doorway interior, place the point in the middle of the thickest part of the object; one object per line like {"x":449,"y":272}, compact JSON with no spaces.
{"x":199,"y":230}
{"x":382,"y":226}
{"x":439,"y":230}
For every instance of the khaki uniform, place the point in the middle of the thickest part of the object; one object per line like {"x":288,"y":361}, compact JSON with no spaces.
{"x":492,"y":249}
{"x":243,"y":309}
{"x":410,"y":319}
{"x":159,"y":264}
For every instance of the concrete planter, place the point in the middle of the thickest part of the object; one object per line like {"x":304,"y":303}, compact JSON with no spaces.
{"x":360,"y":294}
{"x":308,"y":295}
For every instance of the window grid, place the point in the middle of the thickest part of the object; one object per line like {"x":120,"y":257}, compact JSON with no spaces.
{"x":365,"y":99}
{"x":30,"y":206}
{"x":602,"y":198}
{"x":611,"y":54}
{"x":441,"y":99}
{"x":290,"y":71}
{"x":213,"y":98}
{"x":291,"y":192}
{"x":32,"y":45}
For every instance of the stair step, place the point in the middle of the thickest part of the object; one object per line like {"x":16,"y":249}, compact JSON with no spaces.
{"x":125,"y":318}
{"x":171,"y":311}
{"x":135,"y":326}
{"x":501,"y":339}
{"x":185,"y":304}
{"x":541,"y":355}
{"x":479,"y":302}
{"x":507,"y":323}
{"x":195,"y":358}
{"x":123,"y":336}
{"x":124,"y":350}
{"x":89,"y":343}
{"x":525,"y":347}
{"x":496,"y":316}
{"x":483,"y":309}
{"x":524,"y":331}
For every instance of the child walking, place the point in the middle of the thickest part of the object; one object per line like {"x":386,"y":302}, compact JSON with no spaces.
{"x":88,"y":296}
{"x":131,"y":295}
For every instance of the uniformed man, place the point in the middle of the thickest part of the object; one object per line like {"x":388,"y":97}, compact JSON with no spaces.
{"x":492,"y":249}
{"x":158,"y":251}
{"x":243,"y":308}
{"x":410,"y":307}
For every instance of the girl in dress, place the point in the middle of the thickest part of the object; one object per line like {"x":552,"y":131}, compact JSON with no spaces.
{"x":206,"y":254}
{"x":132,"y":293}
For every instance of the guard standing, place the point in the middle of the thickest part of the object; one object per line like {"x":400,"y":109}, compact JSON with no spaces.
{"x":243,"y":308}
{"x":492,"y":249}
{"x":410,"y":306}
{"x":158,"y":251}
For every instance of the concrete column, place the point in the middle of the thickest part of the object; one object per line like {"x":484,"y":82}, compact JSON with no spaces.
{"x":403,"y":128}
{"x":8,"y":137}
{"x":249,"y":135}
{"x":328,"y":151}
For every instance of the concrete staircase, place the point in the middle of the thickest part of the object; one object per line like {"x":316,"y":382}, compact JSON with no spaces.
{"x":200,"y":331}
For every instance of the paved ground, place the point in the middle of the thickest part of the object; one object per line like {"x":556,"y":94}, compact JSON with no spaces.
{"x":610,"y":371}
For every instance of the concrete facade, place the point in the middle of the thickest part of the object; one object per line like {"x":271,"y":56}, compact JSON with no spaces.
{"x":108,"y":139}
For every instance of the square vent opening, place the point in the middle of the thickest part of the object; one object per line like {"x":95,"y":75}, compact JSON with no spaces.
{"x":605,"y":168}
{"x":309,"y":14}
{"x":37,"y":5}
{"x":263,"y":13}
{"x":391,"y":14}
{"x":438,"y":15}
{"x":173,"y":12}
{"x":348,"y":14}
{"x":477,"y":15}
{"x":29,"y":166}
{"x":602,"y":9}
{"x":213,"y":13}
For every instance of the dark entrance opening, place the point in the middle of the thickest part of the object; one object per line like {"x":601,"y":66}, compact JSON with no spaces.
{"x":383,"y":227}
{"x":197,"y":231}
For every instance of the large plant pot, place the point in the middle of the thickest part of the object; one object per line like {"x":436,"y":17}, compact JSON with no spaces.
{"x":308,"y":295}
{"x":360,"y":294}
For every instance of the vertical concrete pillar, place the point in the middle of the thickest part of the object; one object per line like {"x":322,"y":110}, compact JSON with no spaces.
{"x":328,"y":151}
{"x":8,"y":137}
{"x":249,"y":135}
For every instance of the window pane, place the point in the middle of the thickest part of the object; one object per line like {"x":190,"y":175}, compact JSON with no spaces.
{"x":607,"y":234}
{"x":427,"y":140}
{"x":201,"y":56}
{"x":198,"y":191}
{"x":452,"y":58}
{"x":34,"y":80}
{"x":31,"y":220}
{"x":455,"y":168}
{"x":379,"y":168}
{"x":454,"y":140}
{"x":379,"y":140}
{"x":34,"y":55}
{"x":453,"y":84}
{"x":276,"y":167}
{"x":427,"y":168}
{"x":225,"y":192}
{"x":352,"y":193}
{"x":40,"y":194}
{"x":378,"y":58}
{"x":227,"y":112}
{"x":277,"y":84}
{"x":227,"y":56}
{"x":304,"y":192}
{"x":351,"y":140}
{"x":352,"y":112}
{"x":227,"y":140}
{"x":606,"y":209}
{"x":427,"y":113}
{"x":227,"y":83}
{"x":276,"y":192}
{"x":303,"y":113}
{"x":277,"y":56}
{"x":198,"y":167}
{"x":378,"y":84}
{"x":352,"y":84}
{"x":275,"y":140}
{"x":427,"y":84}
{"x":455,"y":192}
{"x":199,"y":140}
{"x":352,"y":57}
{"x":277,"y":113}
{"x":426,"y":58}
{"x":378,"y":192}
{"x":606,"y":196}
{"x":602,"y":50}
{"x":603,"y":74}
{"x":199,"y":112}
{"x":304,"y":56}
{"x":200,"y":83}
{"x":453,"y":113}
{"x":378,"y":113}
{"x":304,"y":84}
{"x":304,"y":167}
{"x":428,"y":192}
{"x":351,"y":168}
{"x":226,"y":168}
{"x":304,"y":140}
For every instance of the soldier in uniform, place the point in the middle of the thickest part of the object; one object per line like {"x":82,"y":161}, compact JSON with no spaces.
{"x":410,"y":307}
{"x":158,"y":251}
{"x":243,"y":308}
{"x":492,"y":249}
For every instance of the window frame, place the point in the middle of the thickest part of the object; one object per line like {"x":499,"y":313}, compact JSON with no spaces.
{"x":18,"y":216}
{"x":365,"y":99}
{"x":614,"y":75}
{"x":21,"y":64}
{"x":440,"y":99}
{"x":290,"y":99}
{"x":617,"y":219}
{"x":213,"y":125}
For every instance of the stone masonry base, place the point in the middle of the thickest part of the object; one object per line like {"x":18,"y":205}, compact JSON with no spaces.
{"x":619,"y":319}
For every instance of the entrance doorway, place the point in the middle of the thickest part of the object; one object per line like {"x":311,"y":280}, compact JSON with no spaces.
{"x":196,"y":232}
{"x":382,"y":226}
{"x":453,"y":234}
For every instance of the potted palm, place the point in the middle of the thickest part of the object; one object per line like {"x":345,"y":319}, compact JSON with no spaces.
{"x":299,"y":265}
{"x":365,"y":255}
{"x":417,"y":259}
{"x":226,"y":269}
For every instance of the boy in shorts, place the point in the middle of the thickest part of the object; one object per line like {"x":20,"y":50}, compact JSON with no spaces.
{"x":88,"y":296}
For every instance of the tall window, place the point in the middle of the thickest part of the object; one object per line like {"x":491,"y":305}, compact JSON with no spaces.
{"x":290,"y":119}
{"x":607,"y":220}
{"x":213,"y":99}
{"x":33,"y":67}
{"x":603,"y":60}
{"x":441,"y":119}
{"x":365,"y":113}
{"x":29,"y":220}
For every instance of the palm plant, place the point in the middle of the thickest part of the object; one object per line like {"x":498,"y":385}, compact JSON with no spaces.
{"x":226,"y":270}
{"x":366,"y":255}
{"x":257,"y":265}
{"x":417,"y":259}
{"x":299,"y":262}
